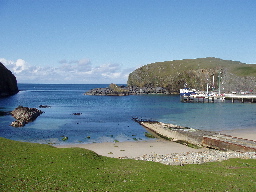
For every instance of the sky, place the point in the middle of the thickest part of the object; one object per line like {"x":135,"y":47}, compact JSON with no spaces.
{"x":102,"y":41}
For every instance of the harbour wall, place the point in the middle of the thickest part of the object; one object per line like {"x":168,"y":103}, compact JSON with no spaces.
{"x":199,"y":137}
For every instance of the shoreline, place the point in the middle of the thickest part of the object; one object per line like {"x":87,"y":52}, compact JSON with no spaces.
{"x":249,"y":134}
{"x":135,"y":149}
{"x":132,"y":149}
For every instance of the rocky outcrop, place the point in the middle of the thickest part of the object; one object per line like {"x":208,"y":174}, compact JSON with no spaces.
{"x":114,"y":90}
{"x":106,"y":92}
{"x":4,"y":113}
{"x":8,"y":82}
{"x":24,"y":115}
{"x":135,"y":90}
{"x":196,"y":73}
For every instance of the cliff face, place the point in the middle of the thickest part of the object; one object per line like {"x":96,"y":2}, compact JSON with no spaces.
{"x":8,"y":82}
{"x":196,"y":73}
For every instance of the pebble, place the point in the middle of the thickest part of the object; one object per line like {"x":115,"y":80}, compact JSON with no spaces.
{"x":210,"y":155}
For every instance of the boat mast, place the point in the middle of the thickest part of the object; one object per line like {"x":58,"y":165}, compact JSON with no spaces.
{"x":219,"y":81}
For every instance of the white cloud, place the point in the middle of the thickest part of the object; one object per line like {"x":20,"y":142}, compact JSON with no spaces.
{"x":74,"y":71}
{"x":20,"y":66}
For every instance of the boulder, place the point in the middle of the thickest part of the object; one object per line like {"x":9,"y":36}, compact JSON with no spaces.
{"x":77,"y":113}
{"x":8,"y":82}
{"x":44,"y":106}
{"x":24,"y":115}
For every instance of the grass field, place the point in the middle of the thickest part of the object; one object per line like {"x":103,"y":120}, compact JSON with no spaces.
{"x":36,"y":167}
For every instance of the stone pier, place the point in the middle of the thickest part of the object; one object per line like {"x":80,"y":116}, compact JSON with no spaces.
{"x":198,"y":137}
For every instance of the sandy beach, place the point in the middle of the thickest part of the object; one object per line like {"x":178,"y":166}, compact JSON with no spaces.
{"x":243,"y":133}
{"x":135,"y":148}
{"x":159,"y":146}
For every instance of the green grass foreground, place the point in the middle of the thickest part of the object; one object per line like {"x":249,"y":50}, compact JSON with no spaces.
{"x":36,"y":167}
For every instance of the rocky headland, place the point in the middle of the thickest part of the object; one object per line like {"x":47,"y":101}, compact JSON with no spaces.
{"x":8,"y":82}
{"x":169,"y":77}
{"x":196,"y":74}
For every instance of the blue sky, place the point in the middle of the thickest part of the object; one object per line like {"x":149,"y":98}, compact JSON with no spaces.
{"x":102,"y":41}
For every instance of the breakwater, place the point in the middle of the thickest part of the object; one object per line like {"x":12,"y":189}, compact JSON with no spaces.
{"x":198,"y":137}
{"x":220,"y":146}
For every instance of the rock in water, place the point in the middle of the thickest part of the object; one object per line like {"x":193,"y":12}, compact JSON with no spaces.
{"x":8,"y":82}
{"x":24,"y":115}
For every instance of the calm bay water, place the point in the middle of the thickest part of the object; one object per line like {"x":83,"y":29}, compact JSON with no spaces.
{"x":106,"y":118}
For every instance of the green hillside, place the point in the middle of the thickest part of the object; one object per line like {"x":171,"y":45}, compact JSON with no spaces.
{"x":35,"y":167}
{"x":196,"y":73}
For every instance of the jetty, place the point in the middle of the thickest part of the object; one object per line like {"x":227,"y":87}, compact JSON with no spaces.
{"x":201,"y":138}
{"x":192,"y":96}
{"x":241,"y":97}
{"x":202,"y":98}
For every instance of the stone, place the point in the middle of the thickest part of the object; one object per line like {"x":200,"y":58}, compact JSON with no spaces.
{"x":77,"y":113}
{"x":44,"y":106}
{"x":194,"y":157}
{"x":24,"y":115}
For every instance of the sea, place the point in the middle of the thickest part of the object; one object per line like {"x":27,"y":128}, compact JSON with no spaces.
{"x":110,"y":118}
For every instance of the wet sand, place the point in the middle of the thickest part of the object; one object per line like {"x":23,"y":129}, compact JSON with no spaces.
{"x":243,"y":133}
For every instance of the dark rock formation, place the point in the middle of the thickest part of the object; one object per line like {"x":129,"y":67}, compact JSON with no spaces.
{"x":112,"y":90}
{"x":77,"y":114}
{"x":24,"y":115}
{"x":124,"y":91}
{"x":135,"y":90}
{"x":8,"y":82}
{"x":44,"y":106}
{"x":4,"y":113}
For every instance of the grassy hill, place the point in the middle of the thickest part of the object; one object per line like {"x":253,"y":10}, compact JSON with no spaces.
{"x":36,"y":167}
{"x":196,"y":73}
